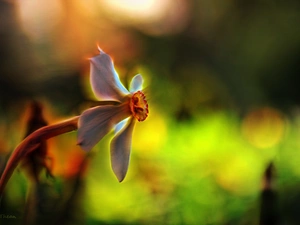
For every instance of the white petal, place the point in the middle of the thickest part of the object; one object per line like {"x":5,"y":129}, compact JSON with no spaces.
{"x":120,"y":125}
{"x":96,"y":122}
{"x":136,"y":83}
{"x":104,"y":79}
{"x":120,"y":148}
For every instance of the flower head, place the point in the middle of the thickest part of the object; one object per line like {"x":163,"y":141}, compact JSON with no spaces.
{"x":128,"y":106}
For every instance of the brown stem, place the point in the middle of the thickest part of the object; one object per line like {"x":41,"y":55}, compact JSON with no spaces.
{"x":31,"y":142}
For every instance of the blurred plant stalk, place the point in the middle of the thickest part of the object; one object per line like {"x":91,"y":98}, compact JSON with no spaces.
{"x":269,"y":213}
{"x":35,"y":162}
{"x":32,"y":143}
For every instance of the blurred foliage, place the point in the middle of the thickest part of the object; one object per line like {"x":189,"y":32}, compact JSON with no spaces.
{"x":222,"y":83}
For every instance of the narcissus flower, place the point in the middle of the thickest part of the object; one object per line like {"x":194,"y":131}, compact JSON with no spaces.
{"x":125,"y":109}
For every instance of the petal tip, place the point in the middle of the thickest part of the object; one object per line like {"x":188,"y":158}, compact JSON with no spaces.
{"x":120,"y":177}
{"x":136,"y":83}
{"x":100,"y":50}
{"x":120,"y":180}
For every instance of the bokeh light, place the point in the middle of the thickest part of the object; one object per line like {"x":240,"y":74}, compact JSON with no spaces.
{"x":264,"y":128}
{"x":48,"y":15}
{"x":155,"y":17}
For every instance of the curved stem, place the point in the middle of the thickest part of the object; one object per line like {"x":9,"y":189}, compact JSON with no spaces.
{"x":31,"y":142}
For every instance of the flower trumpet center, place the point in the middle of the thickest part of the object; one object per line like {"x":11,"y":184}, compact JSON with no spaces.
{"x":139,"y":106}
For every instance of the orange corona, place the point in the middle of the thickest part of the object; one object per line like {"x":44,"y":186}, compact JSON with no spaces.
{"x":139,"y":106}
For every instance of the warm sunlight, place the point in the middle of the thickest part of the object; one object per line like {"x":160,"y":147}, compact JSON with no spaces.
{"x":151,"y":16}
{"x":139,"y":9}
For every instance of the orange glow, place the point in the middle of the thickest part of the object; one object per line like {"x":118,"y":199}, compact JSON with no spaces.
{"x":75,"y":165}
{"x":264,"y":127}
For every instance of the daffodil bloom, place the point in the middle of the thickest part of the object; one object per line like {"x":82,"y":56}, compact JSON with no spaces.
{"x":129,"y":107}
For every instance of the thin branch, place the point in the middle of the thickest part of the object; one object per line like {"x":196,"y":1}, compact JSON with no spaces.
{"x":31,"y":142}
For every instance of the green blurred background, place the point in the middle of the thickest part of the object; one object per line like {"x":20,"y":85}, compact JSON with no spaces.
{"x":222,"y":80}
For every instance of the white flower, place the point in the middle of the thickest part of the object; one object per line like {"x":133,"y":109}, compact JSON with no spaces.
{"x":129,"y":106}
